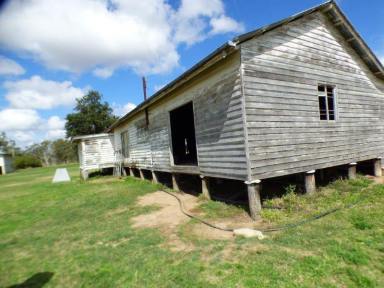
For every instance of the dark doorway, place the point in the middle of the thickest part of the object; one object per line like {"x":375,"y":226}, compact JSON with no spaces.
{"x":183,"y":135}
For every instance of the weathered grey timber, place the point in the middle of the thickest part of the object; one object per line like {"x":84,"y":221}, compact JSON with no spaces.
{"x":256,"y":107}
{"x":95,"y":152}
{"x":6,"y":163}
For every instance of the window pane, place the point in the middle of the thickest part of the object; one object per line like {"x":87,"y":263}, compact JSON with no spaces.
{"x":322,"y":108}
{"x":326,"y":102}
{"x":330,"y":103}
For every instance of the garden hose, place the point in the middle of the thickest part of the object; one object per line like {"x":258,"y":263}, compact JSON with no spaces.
{"x":270,"y":229}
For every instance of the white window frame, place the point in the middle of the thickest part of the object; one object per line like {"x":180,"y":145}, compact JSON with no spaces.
{"x":324,"y":94}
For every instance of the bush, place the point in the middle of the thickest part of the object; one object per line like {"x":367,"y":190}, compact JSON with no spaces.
{"x":26,"y":161}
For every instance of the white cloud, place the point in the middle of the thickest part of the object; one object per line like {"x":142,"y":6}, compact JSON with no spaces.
{"x":38,"y":93}
{"x":55,"y":134}
{"x":103,"y":72}
{"x":104,"y":35}
{"x":10,"y":67}
{"x":55,"y":123}
{"x":26,"y":127}
{"x":224,"y":24}
{"x":158,"y":87}
{"x":18,"y":119}
{"x":121,"y":110}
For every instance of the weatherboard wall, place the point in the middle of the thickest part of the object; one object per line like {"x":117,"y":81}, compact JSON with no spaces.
{"x":96,"y":152}
{"x":281,"y":72}
{"x":217,"y":103}
{"x":6,"y":163}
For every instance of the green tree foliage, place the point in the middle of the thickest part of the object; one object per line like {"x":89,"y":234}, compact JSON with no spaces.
{"x":91,"y":116}
{"x":41,"y":151}
{"x":53,"y":152}
{"x":8,"y":145}
{"x":64,"y":151}
{"x":26,"y":161}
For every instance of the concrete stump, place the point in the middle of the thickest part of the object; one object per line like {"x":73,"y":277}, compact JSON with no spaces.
{"x":175,"y":185}
{"x":141,"y":174}
{"x":205,"y":187}
{"x":254,"y":188}
{"x":352,"y":170}
{"x":377,"y":167}
{"x":310,"y":182}
{"x":154,"y":177}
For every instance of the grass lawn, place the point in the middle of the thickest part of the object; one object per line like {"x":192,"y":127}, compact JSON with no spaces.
{"x":79,"y":235}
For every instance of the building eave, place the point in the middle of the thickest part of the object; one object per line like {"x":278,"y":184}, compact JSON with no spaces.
{"x":329,"y":8}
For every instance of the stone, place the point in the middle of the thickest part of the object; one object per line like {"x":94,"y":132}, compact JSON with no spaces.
{"x":249,"y":233}
{"x":61,"y":175}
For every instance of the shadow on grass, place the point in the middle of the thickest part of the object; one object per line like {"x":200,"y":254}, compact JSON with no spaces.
{"x":38,"y":280}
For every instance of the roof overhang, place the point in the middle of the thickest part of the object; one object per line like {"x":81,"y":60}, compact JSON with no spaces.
{"x":329,"y":8}
{"x":91,"y":136}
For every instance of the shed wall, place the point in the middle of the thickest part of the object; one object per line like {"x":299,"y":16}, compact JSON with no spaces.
{"x":217,"y":103}
{"x":96,"y":153}
{"x":281,"y":72}
{"x":6,"y":163}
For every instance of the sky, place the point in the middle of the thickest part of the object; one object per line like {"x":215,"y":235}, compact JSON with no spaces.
{"x":52,"y":52}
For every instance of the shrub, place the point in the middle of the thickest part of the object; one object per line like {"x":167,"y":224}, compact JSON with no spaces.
{"x":26,"y":161}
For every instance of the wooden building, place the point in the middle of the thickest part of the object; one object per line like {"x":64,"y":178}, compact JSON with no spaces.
{"x":6,"y":163}
{"x":95,"y":152}
{"x":302,"y":94}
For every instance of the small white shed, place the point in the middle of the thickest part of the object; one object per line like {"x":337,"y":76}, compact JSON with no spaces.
{"x":95,"y":152}
{"x":6,"y":163}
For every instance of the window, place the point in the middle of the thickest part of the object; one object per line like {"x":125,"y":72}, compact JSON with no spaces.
{"x":326,"y":95}
{"x":125,"y":144}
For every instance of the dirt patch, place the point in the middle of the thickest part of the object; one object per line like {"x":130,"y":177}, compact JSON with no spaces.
{"x":169,"y":214}
{"x":377,"y":180}
{"x":168,"y":219}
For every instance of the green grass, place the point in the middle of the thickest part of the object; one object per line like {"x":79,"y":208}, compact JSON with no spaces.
{"x":81,"y":232}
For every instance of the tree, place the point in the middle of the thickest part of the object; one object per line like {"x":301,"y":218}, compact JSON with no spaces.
{"x":53,"y":152}
{"x":7,"y":145}
{"x":90,"y":116}
{"x":64,"y":151}
{"x":41,"y":151}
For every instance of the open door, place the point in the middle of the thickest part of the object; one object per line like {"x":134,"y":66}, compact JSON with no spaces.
{"x":183,"y":135}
